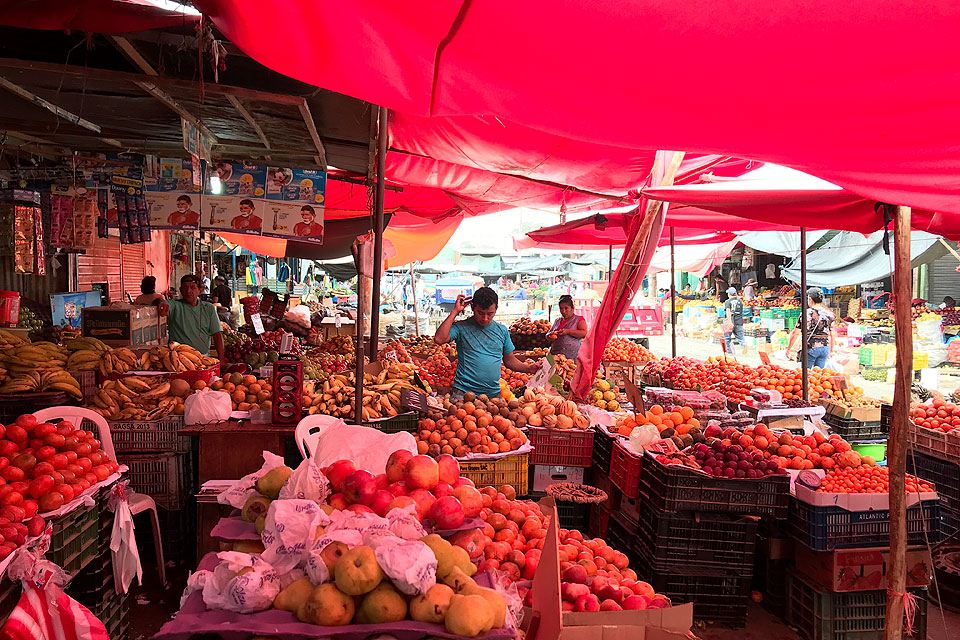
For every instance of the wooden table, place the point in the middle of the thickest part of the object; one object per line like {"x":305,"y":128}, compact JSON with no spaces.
{"x":229,"y":451}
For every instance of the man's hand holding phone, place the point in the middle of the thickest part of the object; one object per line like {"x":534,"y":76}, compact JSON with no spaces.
{"x":461,"y":303}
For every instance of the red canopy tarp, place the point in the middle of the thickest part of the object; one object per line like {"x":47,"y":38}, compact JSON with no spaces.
{"x":791,"y":82}
{"x":100,"y":16}
{"x":610,"y":229}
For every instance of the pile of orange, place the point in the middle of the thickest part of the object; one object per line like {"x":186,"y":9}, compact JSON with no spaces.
{"x":679,"y":419}
{"x":621,"y":349}
{"x":247,"y":392}
{"x":470,"y":427}
{"x":867,"y":480}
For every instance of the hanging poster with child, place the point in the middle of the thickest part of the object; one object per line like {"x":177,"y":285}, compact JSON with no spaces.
{"x":173,"y":201}
{"x":295,"y":204}
{"x":233,"y":198}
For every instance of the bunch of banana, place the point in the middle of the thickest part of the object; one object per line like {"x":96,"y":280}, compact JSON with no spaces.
{"x":8,"y":339}
{"x":176,"y":357}
{"x":117,"y":361}
{"x":86,"y":343}
{"x":136,"y":398}
{"x":33,"y":356}
{"x":50,"y":380}
{"x":381,"y":393}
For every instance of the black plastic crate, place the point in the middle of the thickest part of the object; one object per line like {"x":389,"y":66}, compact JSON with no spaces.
{"x":944,"y":475}
{"x":769,"y":578}
{"x":950,"y":524}
{"x":673,"y":488}
{"x":602,"y":449}
{"x":401,"y":422}
{"x":718,"y":599}
{"x":573,"y":515}
{"x":827,"y":528}
{"x":715,"y":542}
{"x":819,"y":614}
{"x":856,"y":431}
{"x":621,"y":536}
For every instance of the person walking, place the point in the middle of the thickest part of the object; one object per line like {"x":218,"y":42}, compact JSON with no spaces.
{"x":820,"y":333}
{"x":733,"y":322}
{"x":567,"y":331}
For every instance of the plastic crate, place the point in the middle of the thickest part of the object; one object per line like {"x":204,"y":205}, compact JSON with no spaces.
{"x":395,"y":424}
{"x":561,"y":447}
{"x":944,"y":475}
{"x":14,"y":405}
{"x":827,"y":528}
{"x":622,"y":536}
{"x":603,"y":442}
{"x":936,"y":444}
{"x":208,"y":375}
{"x":603,"y":481}
{"x":819,"y":614}
{"x":625,"y":469}
{"x":573,"y":516}
{"x":856,"y":431}
{"x":769,"y":579}
{"x":75,"y":539}
{"x":165,"y":477}
{"x":10,"y":592}
{"x":599,"y":521}
{"x":713,"y":543}
{"x":673,"y":488}
{"x":149,"y":436}
{"x":512,"y":470}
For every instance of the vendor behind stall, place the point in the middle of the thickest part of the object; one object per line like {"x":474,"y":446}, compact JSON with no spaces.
{"x":192,"y":321}
{"x":482,"y":345}
{"x":567,"y":331}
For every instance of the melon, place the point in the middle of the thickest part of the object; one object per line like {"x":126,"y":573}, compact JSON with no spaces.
{"x":179,"y":388}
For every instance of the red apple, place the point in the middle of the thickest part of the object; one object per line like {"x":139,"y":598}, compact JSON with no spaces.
{"x":471,"y":540}
{"x":610,"y":592}
{"x":588,"y":602}
{"x":449,"y":468}
{"x":337,"y":472}
{"x":610,"y":605}
{"x":658,"y":602}
{"x":381,"y":501}
{"x":470,"y":498}
{"x":424,"y":500}
{"x":575,"y":573}
{"x":422,"y":472}
{"x":381,"y":481}
{"x":636,"y":602}
{"x":566,"y":607}
{"x":359,"y":487}
{"x":570,"y":591}
{"x":359,"y":508}
{"x":397,"y":463}
{"x":337,"y":501}
{"x":402,"y":502}
{"x":447,"y":513}
{"x":463,"y":482}
{"x":397,"y":488}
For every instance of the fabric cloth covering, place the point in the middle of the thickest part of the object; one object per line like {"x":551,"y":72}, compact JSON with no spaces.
{"x":781,"y":243}
{"x":698,"y":259}
{"x":849,"y":258}
{"x":100,"y":16}
{"x":430,"y":59}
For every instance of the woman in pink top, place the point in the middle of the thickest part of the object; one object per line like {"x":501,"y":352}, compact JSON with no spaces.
{"x":567,"y":331}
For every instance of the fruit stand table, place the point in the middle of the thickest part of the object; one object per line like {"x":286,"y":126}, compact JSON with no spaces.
{"x":228,"y":451}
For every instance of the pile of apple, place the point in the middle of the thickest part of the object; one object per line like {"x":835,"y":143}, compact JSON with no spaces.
{"x":613,"y":588}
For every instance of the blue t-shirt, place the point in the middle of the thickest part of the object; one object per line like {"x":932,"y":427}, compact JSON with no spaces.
{"x":480,"y":351}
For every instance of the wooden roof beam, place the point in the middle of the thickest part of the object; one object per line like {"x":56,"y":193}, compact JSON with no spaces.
{"x":321,"y":158}
{"x":243,"y":111}
{"x":176,"y":107}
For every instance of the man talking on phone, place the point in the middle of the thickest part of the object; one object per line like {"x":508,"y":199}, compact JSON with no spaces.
{"x":482,"y":345}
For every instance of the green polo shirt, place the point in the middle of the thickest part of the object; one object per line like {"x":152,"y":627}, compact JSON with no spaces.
{"x":193,"y":325}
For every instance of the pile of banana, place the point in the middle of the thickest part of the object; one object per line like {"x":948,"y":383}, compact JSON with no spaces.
{"x":176,"y":357}
{"x":89,"y":354}
{"x":46,"y":380}
{"x":8,"y":339}
{"x":381,"y":393}
{"x":136,"y":398}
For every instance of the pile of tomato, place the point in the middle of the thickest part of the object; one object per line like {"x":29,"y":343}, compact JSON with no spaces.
{"x":621,"y":349}
{"x":438,"y":370}
{"x":515,"y":379}
{"x":865,"y":479}
{"x":940,"y":416}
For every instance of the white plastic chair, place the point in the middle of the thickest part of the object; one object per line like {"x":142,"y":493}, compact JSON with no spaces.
{"x":308,"y":433}
{"x":138,"y":502}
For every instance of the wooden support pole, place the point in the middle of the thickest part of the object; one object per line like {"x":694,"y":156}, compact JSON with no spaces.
{"x":897,"y":442}
{"x":673,"y":294}
{"x":804,"y":329}
{"x":243,"y":111}
{"x":378,"y":232}
{"x":321,"y":157}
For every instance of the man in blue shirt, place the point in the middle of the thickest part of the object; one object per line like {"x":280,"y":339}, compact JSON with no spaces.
{"x":481,"y":345}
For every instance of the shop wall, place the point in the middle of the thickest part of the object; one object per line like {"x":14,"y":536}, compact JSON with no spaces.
{"x":944,"y":279}
{"x":102,"y":263}
{"x":35,"y":290}
{"x":132,"y":269}
{"x":157,"y":259}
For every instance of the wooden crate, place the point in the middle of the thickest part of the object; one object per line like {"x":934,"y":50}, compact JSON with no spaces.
{"x":125,"y":325}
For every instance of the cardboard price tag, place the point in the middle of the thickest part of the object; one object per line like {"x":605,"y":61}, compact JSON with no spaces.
{"x":257,"y":323}
{"x":661,"y":446}
{"x":764,"y":357}
{"x":839,"y":382}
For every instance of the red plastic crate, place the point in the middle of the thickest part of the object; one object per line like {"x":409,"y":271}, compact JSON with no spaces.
{"x":625,"y":469}
{"x":599,"y":519}
{"x":561,"y":447}
{"x":208,"y":375}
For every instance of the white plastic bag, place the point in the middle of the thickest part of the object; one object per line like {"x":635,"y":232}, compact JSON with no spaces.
{"x":299,"y":315}
{"x":289,"y":532}
{"x":410,"y":565}
{"x":368,"y":448}
{"x":236,"y":496}
{"x":206,"y":406}
{"x":644,"y":434}
{"x":306,"y":483}
{"x":930,"y":330}
{"x":241,"y":582}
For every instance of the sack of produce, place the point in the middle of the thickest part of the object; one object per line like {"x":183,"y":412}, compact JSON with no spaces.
{"x":206,"y":406}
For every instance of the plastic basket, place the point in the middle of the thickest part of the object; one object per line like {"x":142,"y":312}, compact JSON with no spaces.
{"x":944,"y":475}
{"x":622,"y":536}
{"x":673,"y":488}
{"x":14,"y":405}
{"x":709,"y":542}
{"x":599,"y":521}
{"x":856,"y":431}
{"x":401,"y":422}
{"x":819,"y":614}
{"x":165,"y":477}
{"x":208,"y":375}
{"x":602,"y":449}
{"x":625,"y":469}
{"x":561,"y":447}
{"x":936,"y":444}
{"x":827,"y":528}
{"x":75,"y":539}
{"x":573,"y":515}
{"x":512,"y":470}
{"x":149,"y":436}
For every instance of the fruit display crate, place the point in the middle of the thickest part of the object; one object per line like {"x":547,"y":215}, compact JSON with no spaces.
{"x":14,"y":405}
{"x":674,"y":488}
{"x":694,"y":540}
{"x":165,"y":477}
{"x":944,"y":475}
{"x":936,"y":444}
{"x":599,"y":521}
{"x":853,"y":430}
{"x":146,"y":436}
{"x":718,"y":599}
{"x":110,"y":607}
{"x":529,"y":341}
{"x":395,"y":424}
{"x":513,"y":470}
{"x":208,"y":375}
{"x":819,"y":614}
{"x":561,"y":447}
{"x":824,"y":528}
{"x":625,"y":469}
{"x":603,"y":442}
{"x":74,"y":540}
{"x":768,"y":579}
{"x":621,"y":535}
{"x":573,"y":515}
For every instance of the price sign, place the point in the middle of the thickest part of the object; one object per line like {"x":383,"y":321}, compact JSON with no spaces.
{"x":257,"y":323}
{"x":338,"y":321}
{"x":839,"y":382}
{"x":286,"y":343}
{"x":764,"y":357}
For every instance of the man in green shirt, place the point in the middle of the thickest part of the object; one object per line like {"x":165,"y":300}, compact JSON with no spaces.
{"x":192,"y":321}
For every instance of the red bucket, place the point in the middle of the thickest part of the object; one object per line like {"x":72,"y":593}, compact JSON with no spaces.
{"x":9,"y":308}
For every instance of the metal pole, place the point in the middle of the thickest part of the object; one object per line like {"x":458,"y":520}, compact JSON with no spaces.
{"x":673,"y":302}
{"x":803,"y":313}
{"x":378,"y":234}
{"x":416,"y":313}
{"x":609,"y":263}
{"x":358,"y":383}
{"x":897,"y":442}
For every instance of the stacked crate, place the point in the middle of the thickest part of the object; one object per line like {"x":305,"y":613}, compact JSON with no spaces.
{"x":561,"y":456}
{"x":946,"y":478}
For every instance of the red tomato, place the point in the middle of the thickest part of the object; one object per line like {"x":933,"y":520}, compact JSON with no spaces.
{"x":43,"y":429}
{"x":27,"y":421}
{"x":91,"y":478}
{"x":45,"y":452}
{"x":85,"y":464}
{"x":54,"y":440}
{"x":3,"y":431}
{"x":12,"y":474}
{"x":68,"y":476}
{"x":51,"y":501}
{"x":83,"y":449}
{"x":83,"y":482}
{"x":102,"y":472}
{"x":41,"y":486}
{"x":96,"y":458}
{"x":30,"y":508}
{"x":16,"y":433}
{"x":57,"y":477}
{"x":14,"y":497}
{"x":66,"y":490}
{"x":26,"y":461}
{"x":36,"y":443}
{"x":36,"y":525}
{"x":69,"y":443}
{"x":71,"y":456}
{"x":58,"y":461}
{"x":8,"y":448}
{"x":4,"y":462}
{"x":42,"y":468}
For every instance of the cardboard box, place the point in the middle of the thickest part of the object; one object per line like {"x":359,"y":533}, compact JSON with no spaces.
{"x":863,"y":414}
{"x":125,"y":325}
{"x":784,"y":422}
{"x":845,"y":570}
{"x":544,"y":476}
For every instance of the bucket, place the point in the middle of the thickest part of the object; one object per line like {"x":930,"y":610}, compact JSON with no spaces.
{"x":9,"y":308}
